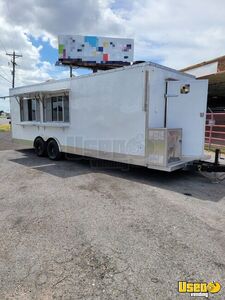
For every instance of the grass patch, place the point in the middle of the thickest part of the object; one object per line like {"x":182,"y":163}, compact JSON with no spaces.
{"x":213,"y":148}
{"x":4,"y":127}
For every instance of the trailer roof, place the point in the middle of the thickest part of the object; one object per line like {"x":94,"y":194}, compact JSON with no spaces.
{"x":99,"y":74}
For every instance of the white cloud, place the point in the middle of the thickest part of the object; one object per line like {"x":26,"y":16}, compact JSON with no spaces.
{"x":177,"y":32}
{"x":173,"y":32}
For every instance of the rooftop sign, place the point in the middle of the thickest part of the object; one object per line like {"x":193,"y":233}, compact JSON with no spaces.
{"x":95,"y":49}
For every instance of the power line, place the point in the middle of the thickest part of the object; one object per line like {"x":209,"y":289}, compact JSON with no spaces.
{"x":4,"y":78}
{"x":4,"y":71}
{"x":3,"y":46}
{"x":13,"y":61}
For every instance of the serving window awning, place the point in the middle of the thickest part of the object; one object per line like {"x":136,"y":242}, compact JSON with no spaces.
{"x":41,"y":94}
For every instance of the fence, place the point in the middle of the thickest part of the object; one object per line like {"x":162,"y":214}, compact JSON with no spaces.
{"x":215,"y":130}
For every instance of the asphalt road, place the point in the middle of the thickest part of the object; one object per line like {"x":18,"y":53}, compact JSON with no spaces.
{"x":78,"y":230}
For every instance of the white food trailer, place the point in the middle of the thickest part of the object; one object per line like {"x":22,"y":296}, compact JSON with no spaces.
{"x":144,"y":114}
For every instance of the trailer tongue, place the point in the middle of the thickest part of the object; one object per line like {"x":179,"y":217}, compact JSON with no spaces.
{"x":206,"y":166}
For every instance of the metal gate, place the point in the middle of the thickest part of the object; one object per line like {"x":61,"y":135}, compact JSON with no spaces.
{"x":215,"y":130}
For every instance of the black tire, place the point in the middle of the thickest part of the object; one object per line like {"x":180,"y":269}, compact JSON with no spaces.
{"x":40,"y":146}
{"x":53,"y":150}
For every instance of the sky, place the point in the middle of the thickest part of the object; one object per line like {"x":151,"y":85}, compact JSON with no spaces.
{"x":170,"y":32}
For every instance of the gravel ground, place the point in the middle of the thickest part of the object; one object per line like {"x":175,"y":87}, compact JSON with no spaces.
{"x":76,"y":230}
{"x":4,"y":121}
{"x":6,"y":142}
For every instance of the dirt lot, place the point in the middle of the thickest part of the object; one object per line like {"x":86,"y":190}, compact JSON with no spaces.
{"x":75,"y":230}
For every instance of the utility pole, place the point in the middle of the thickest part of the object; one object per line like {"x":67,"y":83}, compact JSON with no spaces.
{"x":13,"y":61}
{"x":71,"y":71}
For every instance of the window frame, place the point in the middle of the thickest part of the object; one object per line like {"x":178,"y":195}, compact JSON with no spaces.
{"x":29,"y":110}
{"x":50,"y":98}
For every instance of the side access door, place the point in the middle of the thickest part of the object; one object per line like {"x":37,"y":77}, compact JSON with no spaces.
{"x":186,"y":103}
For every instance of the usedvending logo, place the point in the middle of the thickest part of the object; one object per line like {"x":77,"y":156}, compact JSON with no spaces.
{"x":198,"y":289}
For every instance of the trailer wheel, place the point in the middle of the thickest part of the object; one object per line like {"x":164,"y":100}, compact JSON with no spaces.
{"x":40,"y":146}
{"x":53,"y":150}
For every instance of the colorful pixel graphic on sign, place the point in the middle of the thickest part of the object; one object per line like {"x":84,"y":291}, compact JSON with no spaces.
{"x":95,"y":49}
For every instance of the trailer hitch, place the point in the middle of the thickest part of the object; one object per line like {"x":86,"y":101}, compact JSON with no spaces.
{"x":206,"y":166}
